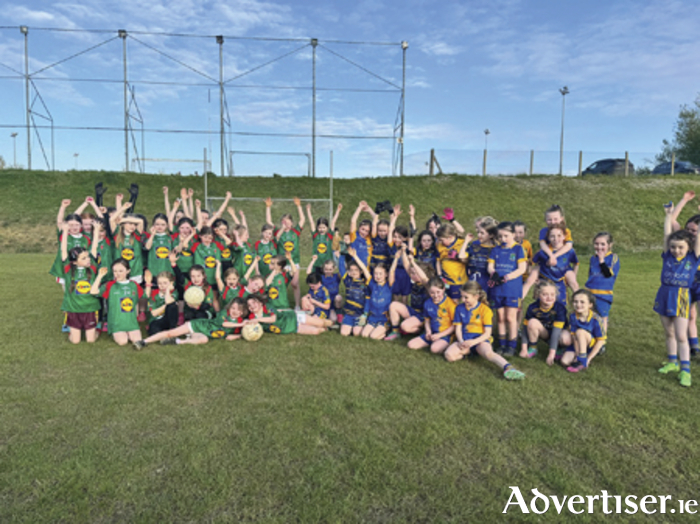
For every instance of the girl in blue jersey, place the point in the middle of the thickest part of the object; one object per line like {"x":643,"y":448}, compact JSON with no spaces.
{"x":587,"y":332}
{"x":355,"y":279}
{"x":507,"y":264}
{"x":360,"y":236}
{"x":680,"y":262}
{"x":565,"y":263}
{"x":476,"y":254}
{"x":439,"y":319}
{"x":602,"y":273}
{"x":377,"y":305}
{"x":545,"y":319}
{"x":401,"y":282}
{"x":410,"y":318}
{"x":317,"y":302}
{"x":473,"y":327}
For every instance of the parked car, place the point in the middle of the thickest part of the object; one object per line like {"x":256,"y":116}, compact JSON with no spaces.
{"x":681,"y":166}
{"x":608,"y":166}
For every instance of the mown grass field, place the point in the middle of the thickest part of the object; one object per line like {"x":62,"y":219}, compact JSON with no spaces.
{"x":324,"y":429}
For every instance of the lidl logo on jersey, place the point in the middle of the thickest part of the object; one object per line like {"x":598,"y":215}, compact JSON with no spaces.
{"x":219,"y":333}
{"x":186,"y":253}
{"x":82,"y":287}
{"x":210,"y":262}
{"x":274,"y":329}
{"x":226,"y":253}
{"x":267,"y":258}
{"x":273,"y":293}
{"x":322,"y":248}
{"x":289,"y":245}
{"x":127,"y":305}
{"x":128,"y":254}
{"x":162,"y":252}
{"x":248,"y":259}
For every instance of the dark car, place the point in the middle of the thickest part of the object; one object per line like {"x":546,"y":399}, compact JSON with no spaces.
{"x":680,"y":166}
{"x":608,"y":166}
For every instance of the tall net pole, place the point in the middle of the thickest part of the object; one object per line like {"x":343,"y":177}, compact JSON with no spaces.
{"x":25,"y":31}
{"x":314,"y":43}
{"x":222,"y":138}
{"x":122,"y":35}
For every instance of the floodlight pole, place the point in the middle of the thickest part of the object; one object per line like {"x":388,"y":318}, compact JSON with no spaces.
{"x":314,"y":43}
{"x":404,"y":46}
{"x":14,"y":149}
{"x":222,"y":145}
{"x":25,"y":31}
{"x":564,"y":91}
{"x":122,"y":34}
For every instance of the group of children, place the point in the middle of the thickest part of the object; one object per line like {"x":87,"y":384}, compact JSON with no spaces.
{"x":194,"y":276}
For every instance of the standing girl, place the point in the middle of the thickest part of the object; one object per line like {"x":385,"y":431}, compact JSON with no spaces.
{"x":322,"y":237}
{"x":507,"y":265}
{"x":680,"y":262}
{"x":473,"y":327}
{"x":602,"y":273}
{"x":287,"y":237}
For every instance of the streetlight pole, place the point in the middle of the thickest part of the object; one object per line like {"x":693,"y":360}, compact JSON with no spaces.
{"x":14,"y":149}
{"x":486,"y":138}
{"x":564,"y":91}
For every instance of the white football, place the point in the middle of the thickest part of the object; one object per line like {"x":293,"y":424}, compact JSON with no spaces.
{"x":194,"y":296}
{"x":252,"y":332}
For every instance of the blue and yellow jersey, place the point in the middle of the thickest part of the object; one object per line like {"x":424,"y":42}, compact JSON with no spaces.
{"x":381,"y":252}
{"x":505,"y":260}
{"x":478,"y":261}
{"x":363,"y":247}
{"x":441,"y":315}
{"x":453,"y":270}
{"x":679,"y":272}
{"x":552,"y":317}
{"x":473,"y":322}
{"x":322,"y":296}
{"x":598,"y":284}
{"x":565,"y":262}
{"x":356,"y":294}
{"x":379,"y":300}
{"x":592,"y":323}
{"x":331,"y":283}
{"x":429,"y":257}
{"x":418,"y":296}
{"x":567,"y":238}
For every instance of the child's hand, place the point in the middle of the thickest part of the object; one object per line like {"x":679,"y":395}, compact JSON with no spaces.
{"x":288,"y":255}
{"x":469,"y":238}
{"x":308,"y":207}
{"x":363,"y":205}
{"x":231,"y":211}
{"x":119,"y":198}
{"x":339,"y":208}
{"x":198,"y":203}
{"x":173,"y":258}
{"x":183,"y":193}
{"x":688,"y":195}
{"x":550,"y":359}
{"x":64,"y":227}
{"x":314,"y":258}
{"x":89,"y":200}
{"x":103,"y":271}
{"x":268,"y":202}
{"x":668,"y":208}
{"x":351,"y":251}
{"x":65,"y":202}
{"x":552,"y":261}
{"x":397,"y":210}
{"x":190,"y":192}
{"x":165,"y":190}
{"x":103,"y":210}
{"x":148,"y":277}
{"x":242,"y":214}
{"x":228,"y":194}
{"x":127,"y":206}
{"x":96,"y":227}
{"x":411,"y":210}
{"x":297,"y":202}
{"x":153,"y":230}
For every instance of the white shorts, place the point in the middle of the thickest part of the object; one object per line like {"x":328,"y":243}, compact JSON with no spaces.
{"x":301,"y":317}
{"x":289,"y":270}
{"x":138,"y":279}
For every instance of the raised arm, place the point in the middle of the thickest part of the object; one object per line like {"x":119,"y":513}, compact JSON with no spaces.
{"x":462,"y":255}
{"x":392,"y":222}
{"x":419,"y":270}
{"x":310,"y":268}
{"x":151,"y":237}
{"x":290,"y":263}
{"x":687,"y":197}
{"x":363,"y":268}
{"x":198,"y":210}
{"x":668,"y":224}
{"x":243,"y":220}
{"x":312,"y":224}
{"x":412,"y":220}
{"x":394,"y":264}
{"x":171,"y":215}
{"x":95,"y":208}
{"x":219,"y":281}
{"x":96,"y":230}
{"x":356,"y":215}
{"x":268,"y":212}
{"x":167,"y":201}
{"x":184,"y":195}
{"x":62,"y":213}
{"x":221,"y":209}
{"x":85,"y":203}
{"x":232,"y":213}
{"x":302,"y":218}
{"x":334,"y":221}
{"x":95,"y":288}
{"x":64,"y":242}
{"x":253,"y":267}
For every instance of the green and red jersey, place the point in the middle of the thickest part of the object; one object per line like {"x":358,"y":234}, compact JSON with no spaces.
{"x":76,"y":293}
{"x":288,"y":242}
{"x":265,"y":250}
{"x":123,"y":299}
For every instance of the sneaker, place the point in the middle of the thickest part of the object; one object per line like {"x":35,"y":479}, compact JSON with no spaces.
{"x":693,"y":351}
{"x":508,"y":352}
{"x":670,"y":367}
{"x":105,"y":328}
{"x":99,"y":326}
{"x":392,"y":336}
{"x":168,"y":341}
{"x":531,"y":352}
{"x":139,"y":345}
{"x":513,"y":374}
{"x":141,"y":317}
{"x":684,"y":379}
{"x":65,"y":328}
{"x":576,"y":367}
{"x":603,"y":349}
{"x":335,"y":327}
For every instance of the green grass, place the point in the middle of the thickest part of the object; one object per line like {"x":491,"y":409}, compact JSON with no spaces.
{"x":324,"y":429}
{"x":310,"y":429}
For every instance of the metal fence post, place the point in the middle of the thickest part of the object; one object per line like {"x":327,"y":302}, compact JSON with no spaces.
{"x":627,"y":164}
{"x":483,"y":171}
{"x":673,"y":163}
{"x":532,"y":160}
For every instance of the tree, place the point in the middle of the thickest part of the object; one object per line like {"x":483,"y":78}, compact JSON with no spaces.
{"x":686,"y":139}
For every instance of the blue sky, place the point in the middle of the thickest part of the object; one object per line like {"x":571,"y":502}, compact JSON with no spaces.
{"x":471,"y":65}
